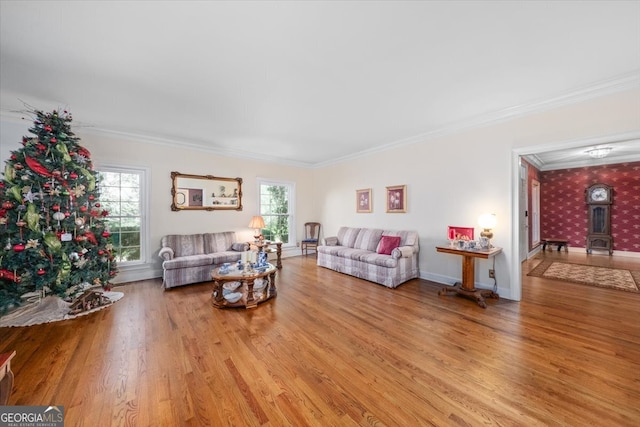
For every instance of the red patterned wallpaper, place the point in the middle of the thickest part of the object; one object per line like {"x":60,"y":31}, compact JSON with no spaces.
{"x":563,"y":210}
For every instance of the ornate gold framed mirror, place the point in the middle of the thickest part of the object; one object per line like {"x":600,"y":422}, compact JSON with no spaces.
{"x":205,"y":192}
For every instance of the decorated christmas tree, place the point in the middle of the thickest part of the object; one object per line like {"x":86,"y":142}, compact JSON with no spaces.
{"x":53,"y":233}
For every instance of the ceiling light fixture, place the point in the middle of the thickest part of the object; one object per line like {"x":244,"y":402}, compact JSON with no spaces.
{"x":598,"y":152}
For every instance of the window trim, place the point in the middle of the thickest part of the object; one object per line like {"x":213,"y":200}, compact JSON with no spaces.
{"x":145,"y":195}
{"x":292,"y":204}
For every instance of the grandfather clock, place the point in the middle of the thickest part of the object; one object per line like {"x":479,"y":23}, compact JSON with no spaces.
{"x":599,"y":200}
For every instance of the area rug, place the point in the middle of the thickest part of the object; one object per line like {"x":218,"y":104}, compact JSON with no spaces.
{"x":50,"y":309}
{"x":603,"y":277}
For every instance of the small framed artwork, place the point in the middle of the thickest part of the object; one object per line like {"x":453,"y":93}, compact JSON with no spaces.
{"x":460,"y":233}
{"x":188,"y":197}
{"x":363,"y":201}
{"x":397,"y":199}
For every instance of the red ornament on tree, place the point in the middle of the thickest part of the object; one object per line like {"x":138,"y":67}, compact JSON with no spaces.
{"x":36,"y":166}
{"x":6,"y":274}
{"x":106,"y":234}
{"x":41,"y":271}
{"x":91,"y":237}
{"x":19,"y":247}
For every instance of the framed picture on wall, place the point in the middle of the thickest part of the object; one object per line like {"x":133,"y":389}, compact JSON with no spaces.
{"x":460,"y":233}
{"x":397,"y":199}
{"x":363,"y":201}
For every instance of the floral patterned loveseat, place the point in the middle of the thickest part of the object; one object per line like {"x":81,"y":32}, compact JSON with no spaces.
{"x":382,"y":256}
{"x":189,"y":258}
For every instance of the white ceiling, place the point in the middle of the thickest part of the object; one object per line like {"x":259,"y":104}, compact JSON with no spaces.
{"x":308,"y":83}
{"x":624,"y":150}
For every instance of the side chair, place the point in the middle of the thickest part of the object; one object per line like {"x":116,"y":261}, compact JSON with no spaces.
{"x":311,"y":237}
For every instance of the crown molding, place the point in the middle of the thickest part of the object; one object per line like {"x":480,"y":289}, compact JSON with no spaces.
{"x":530,"y":154}
{"x":591,"y":162}
{"x":628,"y":81}
{"x":534,"y":161}
{"x":193,"y":145}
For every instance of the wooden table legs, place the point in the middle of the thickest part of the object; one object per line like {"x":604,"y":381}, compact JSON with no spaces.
{"x":467,"y":288}
{"x":6,"y":377}
{"x":475,"y":294}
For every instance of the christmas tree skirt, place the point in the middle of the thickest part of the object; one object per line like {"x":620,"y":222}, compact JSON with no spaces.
{"x":50,"y":309}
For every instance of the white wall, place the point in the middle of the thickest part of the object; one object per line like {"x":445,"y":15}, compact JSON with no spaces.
{"x":160,"y":161}
{"x":450,"y":181}
{"x":11,"y":133}
{"x":453,"y":180}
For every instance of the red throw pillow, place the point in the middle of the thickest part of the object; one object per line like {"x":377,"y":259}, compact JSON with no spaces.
{"x":388,"y":244}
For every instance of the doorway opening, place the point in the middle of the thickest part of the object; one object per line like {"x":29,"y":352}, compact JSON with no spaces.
{"x":567,"y":151}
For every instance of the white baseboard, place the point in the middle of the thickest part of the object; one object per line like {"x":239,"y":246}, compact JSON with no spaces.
{"x":450,"y":281}
{"x":135,"y":273}
{"x":576,"y":249}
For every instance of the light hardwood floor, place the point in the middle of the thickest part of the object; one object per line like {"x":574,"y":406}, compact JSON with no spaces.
{"x":335,"y":350}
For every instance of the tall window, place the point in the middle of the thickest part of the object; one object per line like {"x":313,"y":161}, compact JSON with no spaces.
{"x":276,"y":207}
{"x":121,"y":194}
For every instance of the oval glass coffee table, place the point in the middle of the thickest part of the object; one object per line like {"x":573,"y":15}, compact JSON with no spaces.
{"x":242,"y":288}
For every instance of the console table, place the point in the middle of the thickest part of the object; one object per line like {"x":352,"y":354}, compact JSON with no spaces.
{"x":467,"y":287}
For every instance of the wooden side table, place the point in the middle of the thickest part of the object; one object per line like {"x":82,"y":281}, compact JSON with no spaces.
{"x":262,"y":246}
{"x":6,"y":377}
{"x":467,"y":287}
{"x":555,"y":241}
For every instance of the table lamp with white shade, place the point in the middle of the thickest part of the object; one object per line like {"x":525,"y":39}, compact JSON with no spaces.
{"x":257,"y":223}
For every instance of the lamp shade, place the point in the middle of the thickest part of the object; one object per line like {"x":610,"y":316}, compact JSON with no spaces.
{"x":487,"y":221}
{"x":256,"y":222}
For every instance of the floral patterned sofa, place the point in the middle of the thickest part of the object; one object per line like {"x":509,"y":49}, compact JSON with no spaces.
{"x":189,"y":258}
{"x":382,"y":256}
